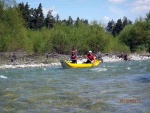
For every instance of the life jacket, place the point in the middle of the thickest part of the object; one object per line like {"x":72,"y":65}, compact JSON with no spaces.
{"x":73,"y":56}
{"x":91,"y":57}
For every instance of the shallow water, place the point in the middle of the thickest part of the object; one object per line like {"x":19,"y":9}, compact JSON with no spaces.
{"x":112,"y":87}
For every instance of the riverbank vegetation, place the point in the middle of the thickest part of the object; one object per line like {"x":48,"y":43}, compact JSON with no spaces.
{"x":26,"y":29}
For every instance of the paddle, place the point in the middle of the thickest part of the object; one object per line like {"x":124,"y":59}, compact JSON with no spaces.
{"x":89,"y":60}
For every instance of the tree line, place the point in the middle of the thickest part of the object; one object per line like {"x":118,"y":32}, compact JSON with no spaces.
{"x":34,"y":18}
{"x":26,"y":29}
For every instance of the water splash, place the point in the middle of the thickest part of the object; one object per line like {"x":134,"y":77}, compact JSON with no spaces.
{"x":99,"y":69}
{"x":2,"y":76}
{"x":128,"y":68}
{"x":97,"y":89}
{"x":44,"y":69}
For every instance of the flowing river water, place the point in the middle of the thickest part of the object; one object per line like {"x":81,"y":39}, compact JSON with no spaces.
{"x":120,"y":87}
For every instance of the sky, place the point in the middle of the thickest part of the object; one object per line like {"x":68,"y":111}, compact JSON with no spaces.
{"x":101,"y":10}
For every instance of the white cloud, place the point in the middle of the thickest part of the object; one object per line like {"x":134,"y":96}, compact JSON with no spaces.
{"x":139,"y":2}
{"x":105,"y":18}
{"x":140,"y":6}
{"x":54,"y":12}
{"x":116,"y":1}
{"x":116,"y":10}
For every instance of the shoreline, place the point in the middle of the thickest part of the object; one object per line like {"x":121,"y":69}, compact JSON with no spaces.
{"x":4,"y":66}
{"x":132,"y":57}
{"x":12,"y":61}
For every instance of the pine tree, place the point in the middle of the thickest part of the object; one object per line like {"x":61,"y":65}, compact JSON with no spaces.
{"x":147,"y":19}
{"x":110,"y":26}
{"x":57,"y":19}
{"x":118,"y":27}
{"x":147,"y":16}
{"x":125,"y":22}
{"x":77,"y":21}
{"x":39,"y":17}
{"x":33,"y":19}
{"x":49,"y":20}
{"x":85,"y":21}
{"x":70,"y":21}
{"x":1,"y":9}
{"x":25,"y":13}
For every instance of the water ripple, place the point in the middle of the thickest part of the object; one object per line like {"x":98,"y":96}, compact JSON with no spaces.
{"x":89,"y":90}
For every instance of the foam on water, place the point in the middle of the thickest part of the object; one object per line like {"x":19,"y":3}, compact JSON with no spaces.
{"x":128,"y":68}
{"x":99,"y":69}
{"x":2,"y":76}
{"x":88,"y":90}
{"x":44,"y":69}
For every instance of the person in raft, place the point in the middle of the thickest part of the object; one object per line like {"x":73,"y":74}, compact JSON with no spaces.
{"x":74,"y":57}
{"x":90,"y":57}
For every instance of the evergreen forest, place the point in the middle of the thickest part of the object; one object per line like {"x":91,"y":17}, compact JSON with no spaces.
{"x":26,"y":29}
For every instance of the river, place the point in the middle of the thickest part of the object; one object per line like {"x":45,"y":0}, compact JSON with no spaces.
{"x":119,"y":87}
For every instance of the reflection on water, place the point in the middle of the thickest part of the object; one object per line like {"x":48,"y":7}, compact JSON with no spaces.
{"x":143,"y":79}
{"x":111,"y":87}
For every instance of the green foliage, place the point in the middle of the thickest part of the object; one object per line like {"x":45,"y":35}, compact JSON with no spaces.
{"x":116,"y":28}
{"x":25,"y":13}
{"x":41,"y":41}
{"x":49,"y":20}
{"x":34,"y":18}
{"x":114,"y":45}
{"x":147,"y":17}
{"x":136,"y":36}
{"x":21,"y":32}
{"x":141,"y":49}
{"x":13,"y":35}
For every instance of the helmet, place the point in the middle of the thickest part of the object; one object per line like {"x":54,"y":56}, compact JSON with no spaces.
{"x":90,"y":51}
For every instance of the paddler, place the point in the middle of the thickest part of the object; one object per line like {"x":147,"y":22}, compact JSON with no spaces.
{"x":90,"y":57}
{"x":74,"y":57}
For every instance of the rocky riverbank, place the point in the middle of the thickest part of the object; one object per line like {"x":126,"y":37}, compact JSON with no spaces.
{"x":131,"y":57}
{"x":23,"y":60}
